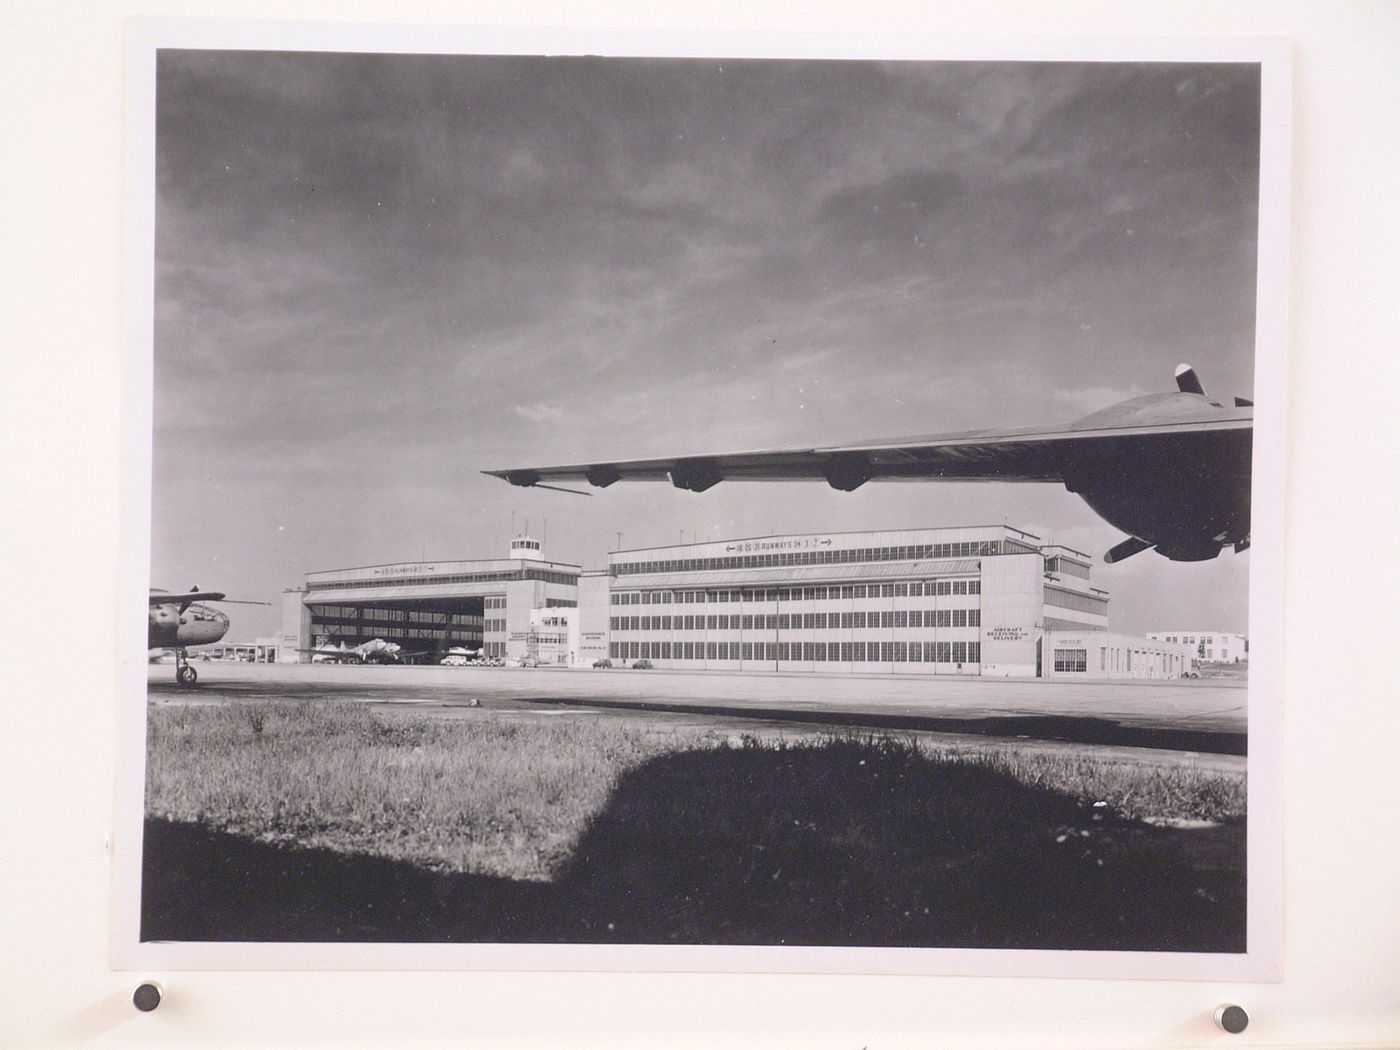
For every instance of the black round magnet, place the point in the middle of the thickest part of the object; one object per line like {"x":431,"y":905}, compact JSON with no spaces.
{"x":1233,"y":1019}
{"x":146,"y":997}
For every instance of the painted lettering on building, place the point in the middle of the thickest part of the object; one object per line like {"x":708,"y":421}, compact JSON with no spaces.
{"x":1008,"y":634}
{"x":403,"y":570}
{"x":796,"y":543}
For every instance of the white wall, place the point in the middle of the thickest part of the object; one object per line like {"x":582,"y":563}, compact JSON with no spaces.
{"x":1116,"y":656}
{"x":522,"y":598}
{"x":593,"y":612}
{"x":1011,"y":609}
{"x":62,"y":68}
{"x":296,"y":628}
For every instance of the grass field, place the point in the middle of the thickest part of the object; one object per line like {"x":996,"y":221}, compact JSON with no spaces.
{"x":329,"y":821}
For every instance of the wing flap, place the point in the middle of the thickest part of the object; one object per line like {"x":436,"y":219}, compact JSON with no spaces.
{"x":1033,"y":454}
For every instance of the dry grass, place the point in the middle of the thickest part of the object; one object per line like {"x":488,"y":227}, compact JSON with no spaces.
{"x":1157,"y":793}
{"x":512,"y":799}
{"x":466,"y":795}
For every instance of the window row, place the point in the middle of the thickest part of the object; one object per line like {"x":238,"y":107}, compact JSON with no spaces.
{"x":808,"y":652}
{"x":326,"y":635}
{"x":497,"y":626}
{"x":524,"y":573}
{"x":1085,"y":603}
{"x":369,"y":614}
{"x":1062,"y":566}
{"x":906,"y":589}
{"x":858,"y":620}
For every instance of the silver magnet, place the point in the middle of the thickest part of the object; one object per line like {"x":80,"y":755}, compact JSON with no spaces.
{"x":1233,"y":1019}
{"x":147,"y":996}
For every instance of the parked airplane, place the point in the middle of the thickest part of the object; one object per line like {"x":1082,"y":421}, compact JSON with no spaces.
{"x":1172,"y":470}
{"x":177,"y":621}
{"x":459,"y":656}
{"x":374,"y":651}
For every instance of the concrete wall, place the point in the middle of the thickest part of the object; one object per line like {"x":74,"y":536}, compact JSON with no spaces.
{"x":593,"y":602}
{"x":296,"y":628}
{"x":522,"y":598}
{"x":1115,"y":656}
{"x":1012,"y":596}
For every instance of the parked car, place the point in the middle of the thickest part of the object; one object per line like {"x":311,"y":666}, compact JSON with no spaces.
{"x":641,"y":665}
{"x":602,"y":663}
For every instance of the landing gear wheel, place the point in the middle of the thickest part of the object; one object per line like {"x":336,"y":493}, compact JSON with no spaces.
{"x":186,"y":675}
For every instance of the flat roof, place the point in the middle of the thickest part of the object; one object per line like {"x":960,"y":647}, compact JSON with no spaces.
{"x":426,"y":596}
{"x":1056,"y":549}
{"x":808,"y":535}
{"x":438,"y":568}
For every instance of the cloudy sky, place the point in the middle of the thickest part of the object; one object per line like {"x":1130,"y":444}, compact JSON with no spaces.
{"x":378,"y":275}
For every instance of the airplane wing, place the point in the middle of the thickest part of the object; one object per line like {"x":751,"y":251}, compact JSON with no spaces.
{"x":162,"y":598}
{"x":1032,"y":454}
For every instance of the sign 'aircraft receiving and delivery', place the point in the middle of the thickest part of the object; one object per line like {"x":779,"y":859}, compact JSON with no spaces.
{"x":177,"y":621}
{"x":1172,"y":470}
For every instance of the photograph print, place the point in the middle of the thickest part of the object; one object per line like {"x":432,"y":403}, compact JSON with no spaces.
{"x":525,"y":567}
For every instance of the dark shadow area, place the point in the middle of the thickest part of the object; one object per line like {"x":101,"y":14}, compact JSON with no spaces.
{"x":1069,"y":728}
{"x":850,"y":843}
{"x":203,"y":885}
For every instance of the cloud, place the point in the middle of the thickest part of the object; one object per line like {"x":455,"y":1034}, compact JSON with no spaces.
{"x":539,"y":413}
{"x":400,"y":256}
{"x":900,"y":210}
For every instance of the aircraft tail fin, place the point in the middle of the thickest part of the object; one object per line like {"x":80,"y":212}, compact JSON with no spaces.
{"x":1187,"y":381}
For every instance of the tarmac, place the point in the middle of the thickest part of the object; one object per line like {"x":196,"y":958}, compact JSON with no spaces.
{"x":1200,"y":723}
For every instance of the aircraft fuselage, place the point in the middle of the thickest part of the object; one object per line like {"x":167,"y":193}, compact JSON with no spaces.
{"x":1186,"y":494}
{"x":169,"y":627}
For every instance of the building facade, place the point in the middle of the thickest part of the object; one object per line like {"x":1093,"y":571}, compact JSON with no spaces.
{"x":429,"y":607}
{"x":957,"y":601}
{"x":261,"y":650}
{"x":1077,"y":655}
{"x":1208,"y":646}
{"x":553,"y":638}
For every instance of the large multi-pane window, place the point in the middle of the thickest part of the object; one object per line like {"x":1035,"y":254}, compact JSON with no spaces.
{"x":1063,"y":566}
{"x":1085,"y":603}
{"x":1071,"y":659}
{"x":526,"y":572}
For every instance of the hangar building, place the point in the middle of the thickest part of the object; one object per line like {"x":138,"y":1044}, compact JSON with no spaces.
{"x":428,"y":607}
{"x":987,"y":600}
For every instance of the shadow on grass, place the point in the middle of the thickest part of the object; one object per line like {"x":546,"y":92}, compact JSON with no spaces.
{"x":846,"y":843}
